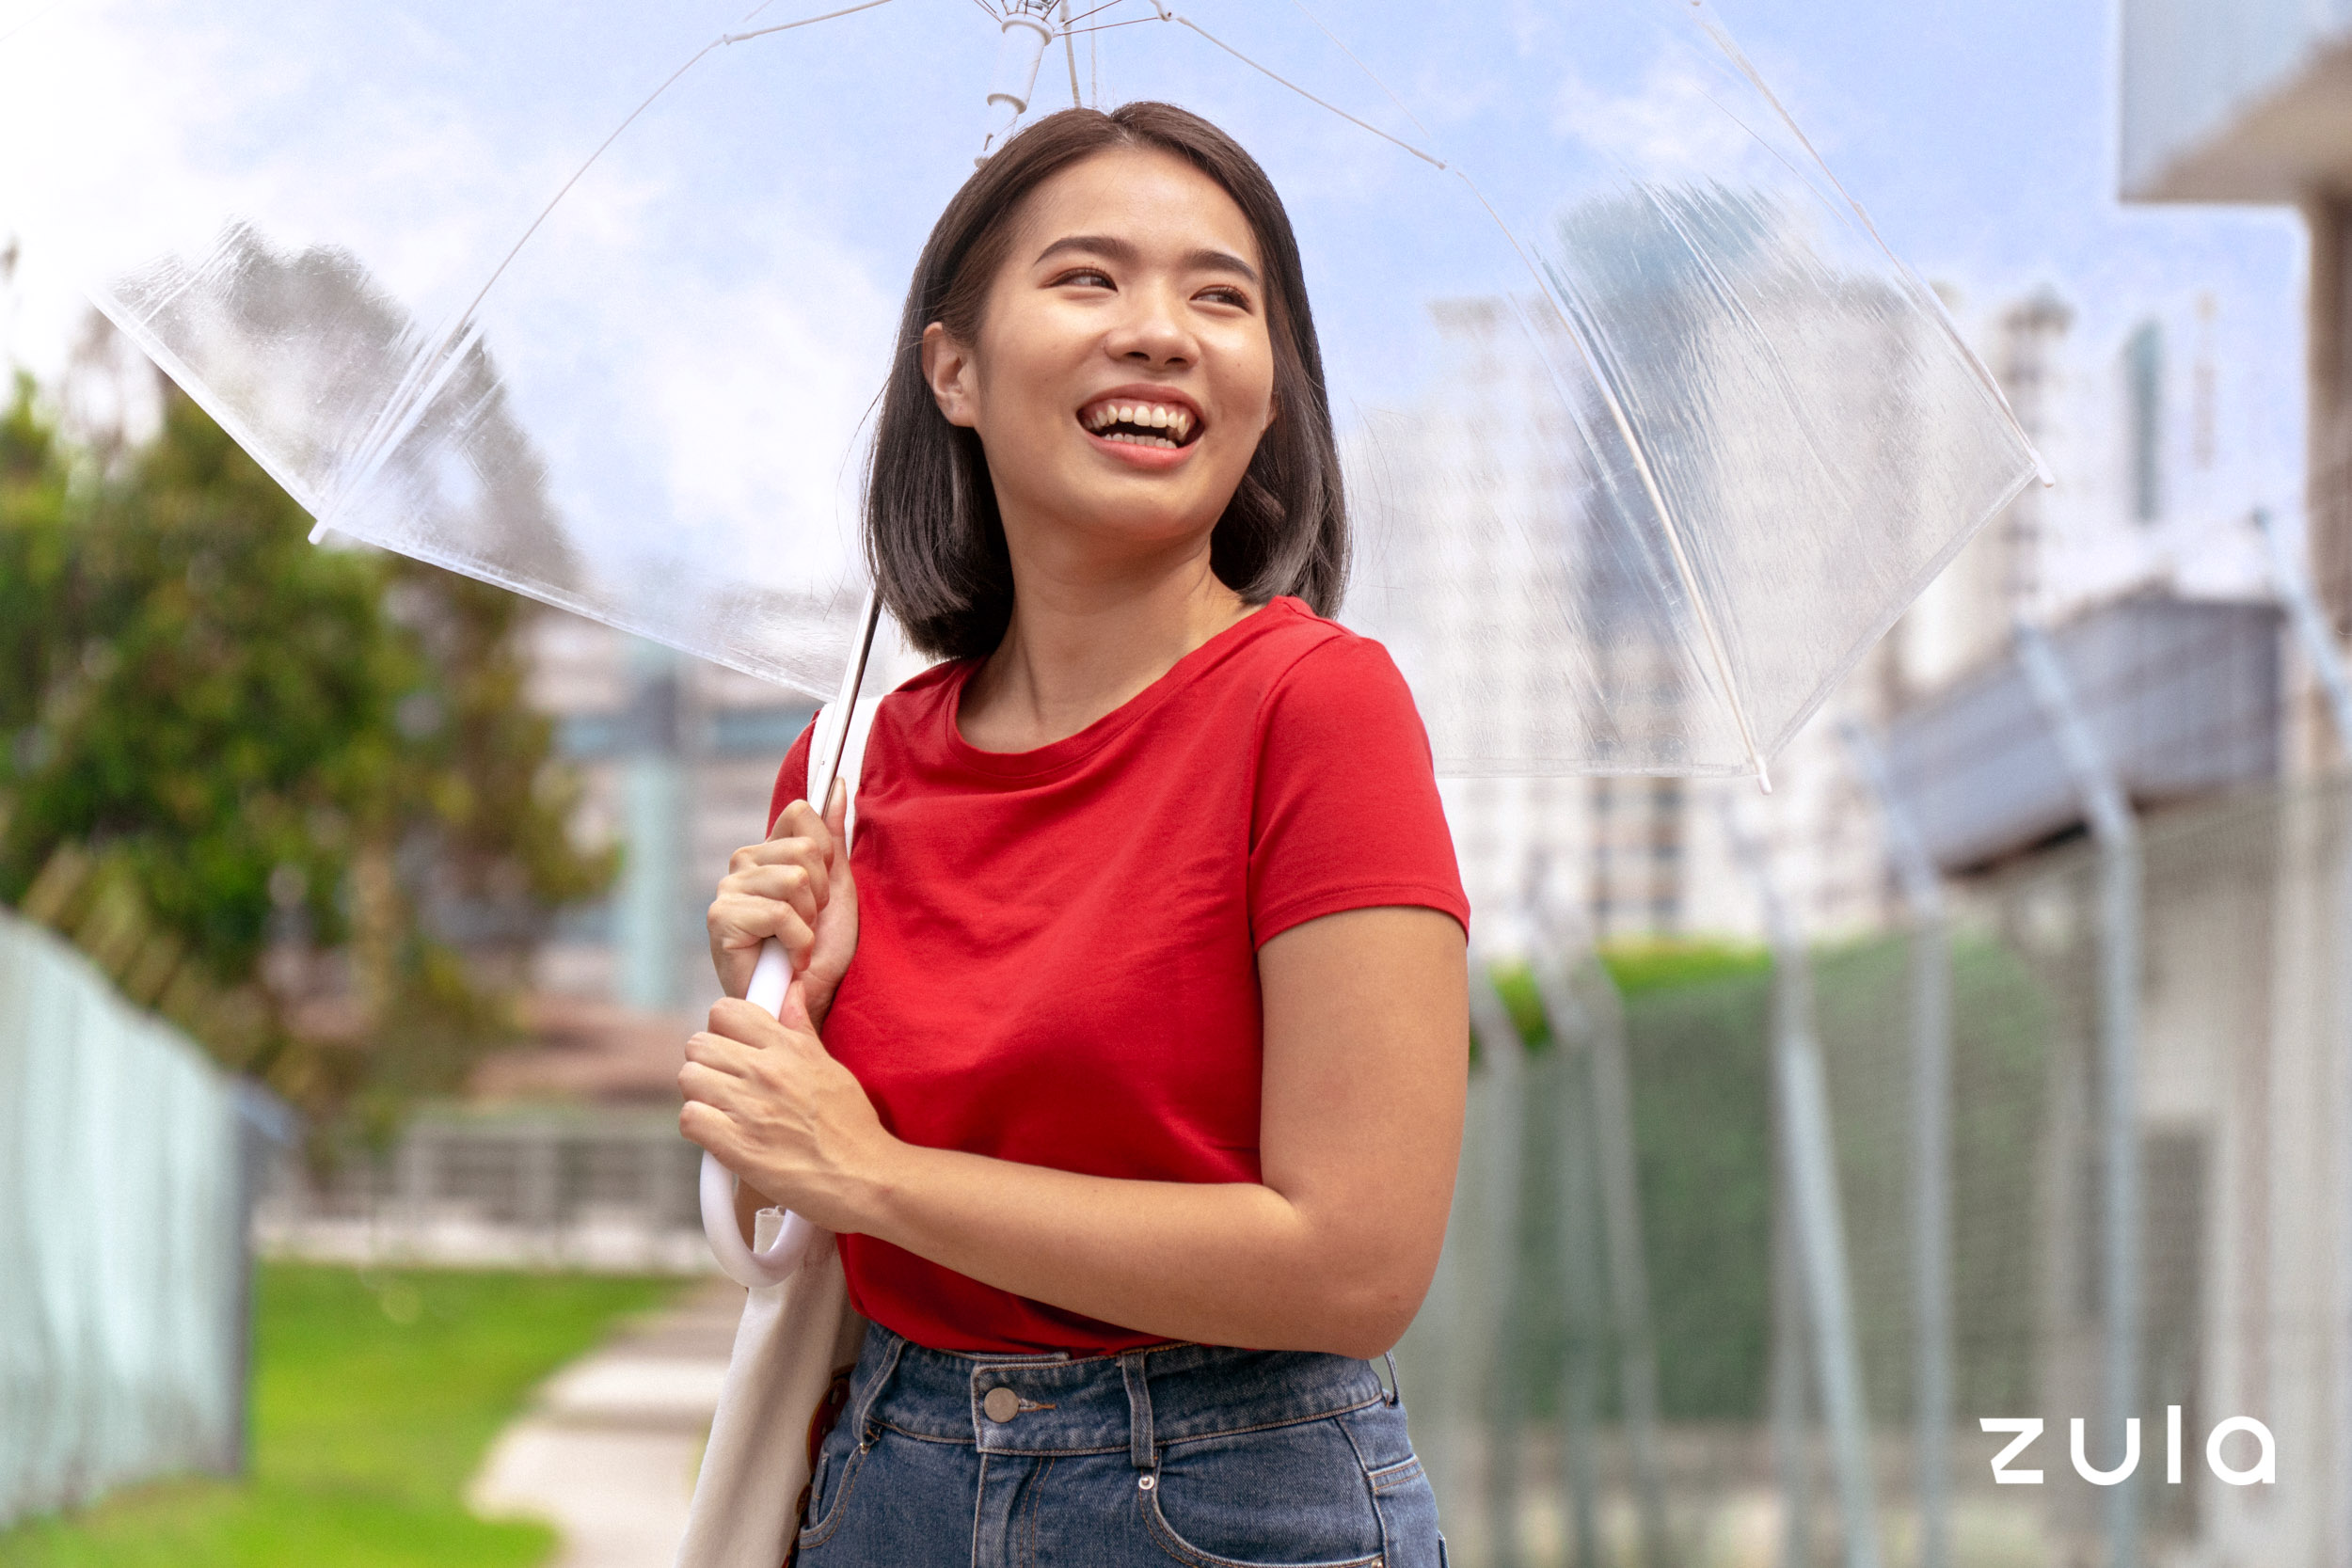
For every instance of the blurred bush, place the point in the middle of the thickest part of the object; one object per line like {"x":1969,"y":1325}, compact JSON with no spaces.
{"x":292,"y":797}
{"x":1698,"y":1017}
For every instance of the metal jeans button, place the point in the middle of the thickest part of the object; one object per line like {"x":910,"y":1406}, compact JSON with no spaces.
{"x":1000,"y":1405}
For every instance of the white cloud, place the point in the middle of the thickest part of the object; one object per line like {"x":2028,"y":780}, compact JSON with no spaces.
{"x":1676,"y":122}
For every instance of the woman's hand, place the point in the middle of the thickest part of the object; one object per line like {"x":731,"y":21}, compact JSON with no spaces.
{"x":763,"y":1095}
{"x":796,"y":888}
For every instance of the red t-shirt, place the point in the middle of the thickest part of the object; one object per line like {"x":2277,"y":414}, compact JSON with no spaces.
{"x":1056,"y":957}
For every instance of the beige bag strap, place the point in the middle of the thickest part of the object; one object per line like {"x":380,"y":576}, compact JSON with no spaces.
{"x":794,"y":1341}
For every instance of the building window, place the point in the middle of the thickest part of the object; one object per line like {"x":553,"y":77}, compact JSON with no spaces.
{"x":2143,"y":375}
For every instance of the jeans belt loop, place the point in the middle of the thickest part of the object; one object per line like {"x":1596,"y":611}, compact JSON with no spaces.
{"x":1396,"y":1385}
{"x":1140,"y":1446}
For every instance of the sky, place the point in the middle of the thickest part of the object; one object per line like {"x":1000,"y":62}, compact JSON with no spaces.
{"x":1979,"y":137}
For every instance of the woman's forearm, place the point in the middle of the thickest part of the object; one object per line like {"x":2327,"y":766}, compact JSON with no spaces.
{"x":1361,"y":1127}
{"x":1332,"y":1249}
{"x":1233,"y":1263}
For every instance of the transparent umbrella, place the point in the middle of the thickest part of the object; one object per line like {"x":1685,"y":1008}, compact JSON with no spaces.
{"x":1649,"y":435}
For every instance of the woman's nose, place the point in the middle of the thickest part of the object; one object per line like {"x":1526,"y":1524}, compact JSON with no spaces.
{"x":1154,"y":332}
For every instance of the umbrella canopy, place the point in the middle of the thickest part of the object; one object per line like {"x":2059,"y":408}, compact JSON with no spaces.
{"x":1649,"y":437}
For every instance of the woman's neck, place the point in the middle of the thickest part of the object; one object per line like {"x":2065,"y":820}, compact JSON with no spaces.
{"x":1080,"y":646}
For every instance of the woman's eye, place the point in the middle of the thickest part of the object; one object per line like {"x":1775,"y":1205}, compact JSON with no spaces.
{"x":1234,"y":297}
{"x":1085,"y":278}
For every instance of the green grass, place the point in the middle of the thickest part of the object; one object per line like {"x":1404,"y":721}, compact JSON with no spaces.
{"x":374,"y":1399}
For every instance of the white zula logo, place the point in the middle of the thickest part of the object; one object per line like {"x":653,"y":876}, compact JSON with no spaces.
{"x":2026,"y":1428}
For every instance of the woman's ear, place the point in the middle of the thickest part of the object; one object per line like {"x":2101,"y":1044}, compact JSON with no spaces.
{"x":949,"y":369}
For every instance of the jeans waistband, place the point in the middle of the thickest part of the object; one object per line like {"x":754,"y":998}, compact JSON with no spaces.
{"x":1133,"y":1403}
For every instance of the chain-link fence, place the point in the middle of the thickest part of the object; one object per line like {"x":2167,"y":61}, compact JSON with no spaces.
{"x":1572,"y":1415}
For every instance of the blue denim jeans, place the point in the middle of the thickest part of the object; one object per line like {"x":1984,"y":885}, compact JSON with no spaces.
{"x":1188,"y":1454}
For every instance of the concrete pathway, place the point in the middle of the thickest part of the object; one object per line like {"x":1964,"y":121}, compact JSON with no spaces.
{"x":607,"y":1450}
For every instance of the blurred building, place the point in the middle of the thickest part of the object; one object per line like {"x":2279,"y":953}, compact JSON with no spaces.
{"x":679,"y":758}
{"x":2254,"y":103}
{"x":2138,"y":519}
{"x":1482,"y":455}
{"x":1641,"y":855}
{"x":676,"y":758}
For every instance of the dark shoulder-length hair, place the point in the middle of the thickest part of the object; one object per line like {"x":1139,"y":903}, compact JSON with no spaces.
{"x":933,"y":537}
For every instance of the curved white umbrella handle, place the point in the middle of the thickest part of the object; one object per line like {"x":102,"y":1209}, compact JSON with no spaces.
{"x":799,"y":1237}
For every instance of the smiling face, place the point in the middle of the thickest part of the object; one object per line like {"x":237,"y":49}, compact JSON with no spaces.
{"x":1123,"y":369}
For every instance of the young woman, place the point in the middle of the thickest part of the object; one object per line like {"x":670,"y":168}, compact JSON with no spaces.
{"x":1146,"y":1040}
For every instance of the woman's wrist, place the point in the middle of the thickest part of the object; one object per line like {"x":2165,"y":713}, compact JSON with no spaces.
{"x":872,"y":1184}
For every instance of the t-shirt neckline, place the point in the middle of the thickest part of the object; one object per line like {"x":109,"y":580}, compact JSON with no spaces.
{"x":1073,"y":748}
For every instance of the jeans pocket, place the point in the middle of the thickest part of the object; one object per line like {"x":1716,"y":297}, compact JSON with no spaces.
{"x":836,"y":1477}
{"x":1293,"y":1496}
{"x":1408,"y":1515}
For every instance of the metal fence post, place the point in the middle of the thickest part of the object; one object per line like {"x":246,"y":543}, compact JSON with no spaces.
{"x":2117,"y":837}
{"x":1499,"y":1391}
{"x":1811,"y":1163}
{"x":1930,"y":1136}
{"x":1581,"y":1267}
{"x":2317,"y":640}
{"x":266,"y":1129}
{"x":1792,"y":1457}
{"x":1598,"y":1032}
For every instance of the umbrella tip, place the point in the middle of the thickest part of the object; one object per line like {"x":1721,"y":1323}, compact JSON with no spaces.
{"x":318,"y":531}
{"x":1763,"y":777}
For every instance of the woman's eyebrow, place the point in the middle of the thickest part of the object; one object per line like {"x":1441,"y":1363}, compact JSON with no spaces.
{"x":1112,"y":249}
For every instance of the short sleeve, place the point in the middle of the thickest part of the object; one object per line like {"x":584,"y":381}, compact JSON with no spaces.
{"x":791,"y":779}
{"x":1345,"y":812}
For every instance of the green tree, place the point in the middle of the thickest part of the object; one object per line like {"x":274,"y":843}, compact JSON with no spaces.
{"x":222,"y":743}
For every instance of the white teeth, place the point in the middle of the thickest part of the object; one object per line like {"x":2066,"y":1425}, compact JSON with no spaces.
{"x":1147,"y":416}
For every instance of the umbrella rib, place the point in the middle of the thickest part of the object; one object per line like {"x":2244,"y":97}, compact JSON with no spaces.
{"x":1424,"y":157}
{"x":1106,"y":26}
{"x":401,"y":413}
{"x":1985,"y":380}
{"x":1337,"y":42}
{"x":43,"y":15}
{"x":1675,"y":544}
{"x":408,"y":404}
{"x":1070,"y":50}
{"x":779,"y":27}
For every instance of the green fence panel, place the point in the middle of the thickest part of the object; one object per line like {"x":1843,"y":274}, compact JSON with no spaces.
{"x":122,"y":1263}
